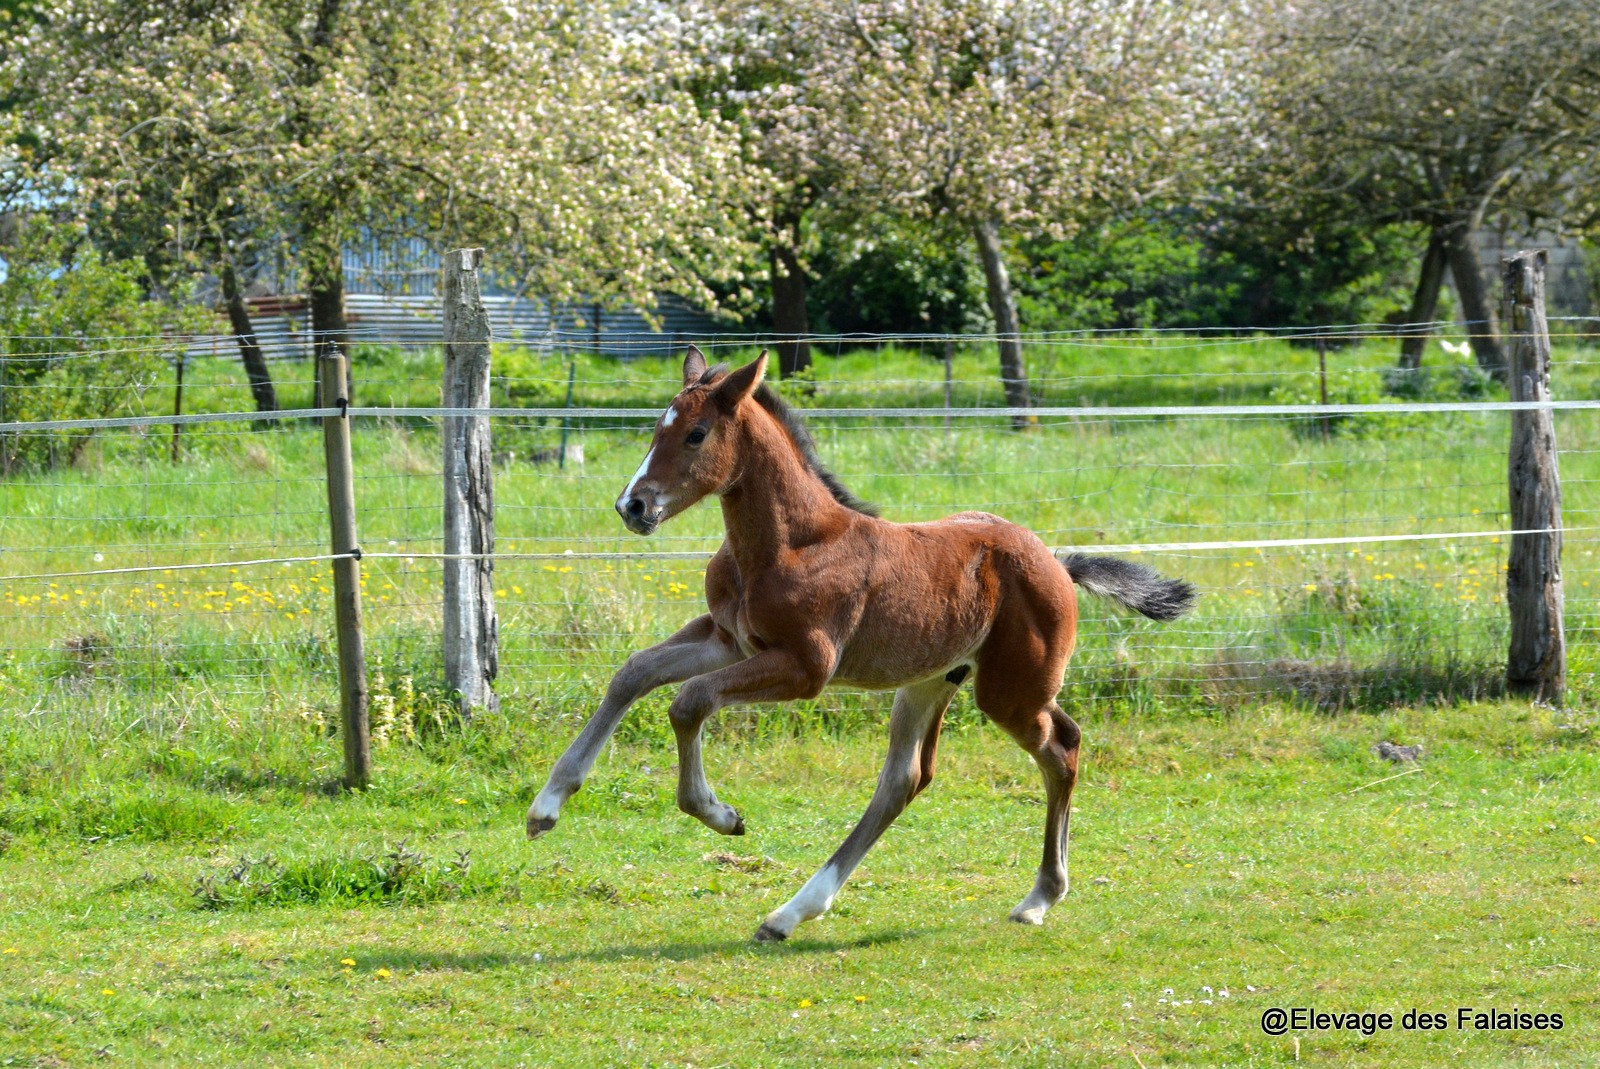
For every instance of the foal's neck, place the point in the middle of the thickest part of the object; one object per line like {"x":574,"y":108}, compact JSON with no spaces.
{"x":775,"y":503}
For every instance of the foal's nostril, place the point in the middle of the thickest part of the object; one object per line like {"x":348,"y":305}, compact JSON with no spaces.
{"x":635,"y":507}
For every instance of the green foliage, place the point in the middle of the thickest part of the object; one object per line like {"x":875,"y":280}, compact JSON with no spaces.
{"x":79,"y":339}
{"x":902,"y":279}
{"x":1128,"y":276}
{"x":1295,"y":272}
{"x":1237,"y":270}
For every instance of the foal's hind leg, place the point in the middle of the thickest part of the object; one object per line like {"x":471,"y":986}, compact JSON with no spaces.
{"x":913,"y":733}
{"x":1053,"y":741}
{"x":695,"y":649}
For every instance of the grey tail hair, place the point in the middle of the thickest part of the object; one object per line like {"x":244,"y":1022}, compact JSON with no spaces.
{"x":1139,"y":587}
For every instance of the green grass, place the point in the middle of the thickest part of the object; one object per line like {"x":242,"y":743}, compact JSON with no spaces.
{"x":1242,"y":852}
{"x":169,"y":832}
{"x":1362,"y":626}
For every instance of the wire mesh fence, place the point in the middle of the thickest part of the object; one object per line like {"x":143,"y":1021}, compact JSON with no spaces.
{"x":1351,"y":554}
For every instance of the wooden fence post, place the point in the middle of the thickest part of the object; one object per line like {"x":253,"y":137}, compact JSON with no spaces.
{"x":949,"y":373}
{"x":177,"y":409}
{"x":471,"y":629}
{"x":346,"y":574}
{"x":1537,"y":663}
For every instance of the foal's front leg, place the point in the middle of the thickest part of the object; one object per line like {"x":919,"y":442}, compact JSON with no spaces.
{"x":775,"y":674}
{"x":695,"y":649}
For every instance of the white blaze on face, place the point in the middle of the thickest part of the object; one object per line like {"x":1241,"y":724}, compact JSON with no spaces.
{"x":671,"y":414}
{"x":644,"y":466}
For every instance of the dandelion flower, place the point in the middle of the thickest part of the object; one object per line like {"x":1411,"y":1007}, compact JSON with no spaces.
{"x":861,"y":998}
{"x":348,"y":962}
{"x":461,"y":801}
{"x":12,"y":950}
{"x":805,"y":1004}
{"x":383,"y":974}
{"x":1589,"y":839}
{"x":108,"y":991}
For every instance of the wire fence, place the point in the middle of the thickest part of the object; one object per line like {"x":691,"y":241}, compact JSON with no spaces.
{"x":1350,"y":553}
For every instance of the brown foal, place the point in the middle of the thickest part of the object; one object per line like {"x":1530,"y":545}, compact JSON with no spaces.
{"x":810,"y":588}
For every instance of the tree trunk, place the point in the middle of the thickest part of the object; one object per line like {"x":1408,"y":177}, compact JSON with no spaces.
{"x":255,"y":363}
{"x":789,"y":320}
{"x":329,"y":330}
{"x":1003,"y":304}
{"x":1424,"y":304}
{"x":1483,"y":326}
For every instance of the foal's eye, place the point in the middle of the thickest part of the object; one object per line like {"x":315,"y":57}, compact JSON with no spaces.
{"x":696,"y":436}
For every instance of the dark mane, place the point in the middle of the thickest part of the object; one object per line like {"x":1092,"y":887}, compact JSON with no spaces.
{"x":790,"y":421}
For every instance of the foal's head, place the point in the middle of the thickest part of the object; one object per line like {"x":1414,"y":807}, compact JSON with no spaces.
{"x":692,"y":453}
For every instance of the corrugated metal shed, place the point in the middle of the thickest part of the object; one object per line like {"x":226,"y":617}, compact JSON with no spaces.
{"x":391,"y":297}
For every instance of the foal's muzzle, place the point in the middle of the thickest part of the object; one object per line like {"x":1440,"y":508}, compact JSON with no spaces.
{"x":638,"y":515}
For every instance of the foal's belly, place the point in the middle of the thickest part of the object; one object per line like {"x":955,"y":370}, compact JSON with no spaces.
{"x":885,"y":653}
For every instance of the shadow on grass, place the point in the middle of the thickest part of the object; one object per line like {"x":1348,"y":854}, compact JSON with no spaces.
{"x":397,"y":958}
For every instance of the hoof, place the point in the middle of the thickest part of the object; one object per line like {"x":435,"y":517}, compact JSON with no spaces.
{"x":768,"y":934}
{"x":537,"y":826}
{"x":738,"y":829}
{"x":1028,"y":916}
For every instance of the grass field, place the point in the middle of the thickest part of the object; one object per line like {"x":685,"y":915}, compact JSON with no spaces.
{"x":1221,"y":866}
{"x":180,"y":883}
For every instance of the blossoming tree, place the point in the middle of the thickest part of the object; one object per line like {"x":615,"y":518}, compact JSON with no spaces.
{"x":555,"y":131}
{"x":1007,"y":117}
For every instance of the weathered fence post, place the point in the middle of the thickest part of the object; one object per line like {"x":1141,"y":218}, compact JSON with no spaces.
{"x":177,"y":408}
{"x":471,"y":629}
{"x":1322,"y":384}
{"x":572,"y":381}
{"x":1537,"y":663}
{"x":346,"y":574}
{"x":949,"y":373}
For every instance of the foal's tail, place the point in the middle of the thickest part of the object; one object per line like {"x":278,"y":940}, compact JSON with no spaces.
{"x":1137,"y":586}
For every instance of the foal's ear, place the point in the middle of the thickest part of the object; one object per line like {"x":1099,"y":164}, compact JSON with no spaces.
{"x":694,"y":365}
{"x":737,"y":385}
